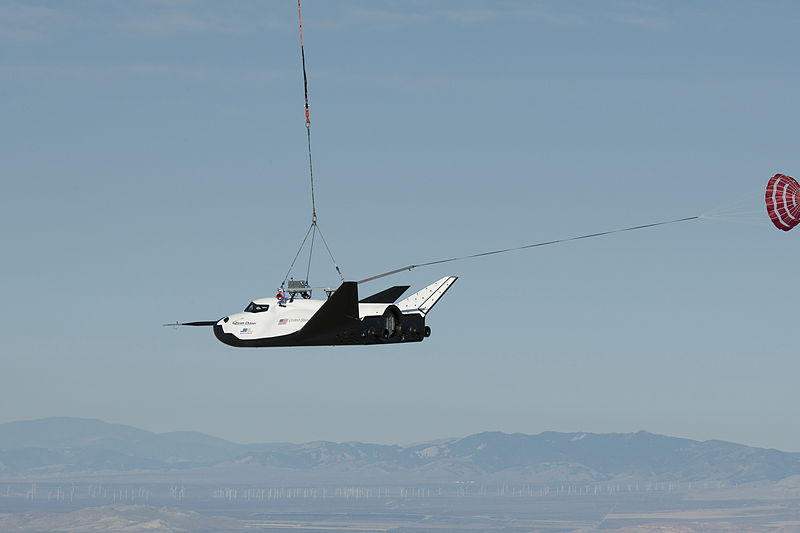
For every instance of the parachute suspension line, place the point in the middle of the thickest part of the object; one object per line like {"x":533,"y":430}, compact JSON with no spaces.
{"x":535,"y":245}
{"x":748,"y":209}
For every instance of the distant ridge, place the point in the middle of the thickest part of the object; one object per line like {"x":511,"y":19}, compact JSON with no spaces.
{"x":63,"y":447}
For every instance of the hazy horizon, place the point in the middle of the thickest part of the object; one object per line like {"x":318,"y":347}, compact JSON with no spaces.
{"x":432,"y":439}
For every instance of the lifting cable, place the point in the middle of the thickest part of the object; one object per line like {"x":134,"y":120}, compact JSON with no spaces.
{"x":308,"y":117}
{"x":314,"y":228}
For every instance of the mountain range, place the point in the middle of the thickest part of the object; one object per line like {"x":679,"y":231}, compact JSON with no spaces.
{"x":59,"y":448}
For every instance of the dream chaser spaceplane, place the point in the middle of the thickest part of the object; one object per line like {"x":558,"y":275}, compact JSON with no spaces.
{"x":340,"y":320}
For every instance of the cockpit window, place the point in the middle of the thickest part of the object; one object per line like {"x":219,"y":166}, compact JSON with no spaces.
{"x":256,"y":308}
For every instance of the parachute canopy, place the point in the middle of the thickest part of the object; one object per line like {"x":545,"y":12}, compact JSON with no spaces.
{"x":783,"y":201}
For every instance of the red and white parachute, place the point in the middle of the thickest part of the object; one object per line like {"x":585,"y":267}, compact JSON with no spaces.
{"x":783,"y":201}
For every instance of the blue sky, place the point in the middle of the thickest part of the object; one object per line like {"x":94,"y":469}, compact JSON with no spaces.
{"x":154,"y":169}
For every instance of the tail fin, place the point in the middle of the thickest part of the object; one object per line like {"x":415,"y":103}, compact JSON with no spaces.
{"x":424,"y":300}
{"x":338,"y":314}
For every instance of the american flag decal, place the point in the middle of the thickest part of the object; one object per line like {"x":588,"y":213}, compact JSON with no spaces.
{"x":283,"y":321}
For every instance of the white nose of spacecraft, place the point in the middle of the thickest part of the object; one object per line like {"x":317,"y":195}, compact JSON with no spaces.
{"x":219,"y":330}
